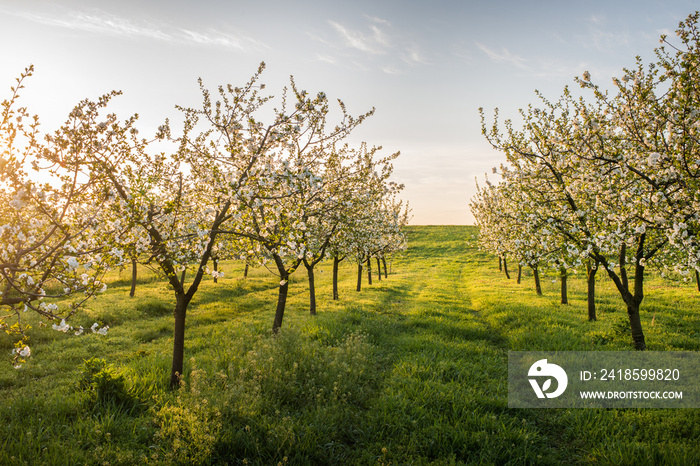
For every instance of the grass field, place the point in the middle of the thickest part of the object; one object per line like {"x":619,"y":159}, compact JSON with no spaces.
{"x":412,"y":370}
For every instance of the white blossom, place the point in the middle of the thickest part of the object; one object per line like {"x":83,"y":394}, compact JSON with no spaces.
{"x":63,"y":327}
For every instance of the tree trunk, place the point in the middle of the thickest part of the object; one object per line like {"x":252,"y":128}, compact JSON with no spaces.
{"x":636,"y":325}
{"x":216,"y":269}
{"x":564,"y":290}
{"x":281,"y":303}
{"x":633,"y":301}
{"x":536,"y":273}
{"x":500,"y":264}
{"x":379,"y":269}
{"x":590,"y":278}
{"x":623,"y":263}
{"x":312,"y":288}
{"x":182,"y":297}
{"x":369,"y":270}
{"x":284,"y":287}
{"x":245,"y":271}
{"x":134,"y":274}
{"x":505,"y":268}
{"x":386,"y":274}
{"x":336,"y":262}
{"x":697,"y":279}
{"x":359,"y":275}
{"x":636,"y":302}
{"x":520,"y":273}
{"x":181,"y":302}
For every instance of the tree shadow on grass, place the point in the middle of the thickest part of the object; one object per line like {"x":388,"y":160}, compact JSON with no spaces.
{"x":224,"y":291}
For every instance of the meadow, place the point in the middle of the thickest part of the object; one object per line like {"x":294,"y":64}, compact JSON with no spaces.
{"x":411,"y":370}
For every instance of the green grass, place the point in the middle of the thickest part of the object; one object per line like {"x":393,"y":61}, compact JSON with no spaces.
{"x":412,"y":370}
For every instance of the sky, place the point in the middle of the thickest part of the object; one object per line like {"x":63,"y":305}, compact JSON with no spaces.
{"x":426,"y":66}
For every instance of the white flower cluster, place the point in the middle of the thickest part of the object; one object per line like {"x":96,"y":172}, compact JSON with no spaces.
{"x":24,"y":352}
{"x":64,"y":327}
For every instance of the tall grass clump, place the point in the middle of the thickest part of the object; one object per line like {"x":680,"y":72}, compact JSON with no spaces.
{"x":189,"y":425}
{"x":104,"y":385}
{"x":288,"y":394}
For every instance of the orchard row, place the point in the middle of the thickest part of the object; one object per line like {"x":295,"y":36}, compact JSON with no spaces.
{"x":94,"y":195}
{"x":605,"y":180}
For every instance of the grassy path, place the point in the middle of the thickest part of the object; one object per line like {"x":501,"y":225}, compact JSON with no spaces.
{"x":444,"y":397}
{"x":449,"y":321}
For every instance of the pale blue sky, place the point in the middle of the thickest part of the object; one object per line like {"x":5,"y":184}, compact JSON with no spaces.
{"x":427,"y":66}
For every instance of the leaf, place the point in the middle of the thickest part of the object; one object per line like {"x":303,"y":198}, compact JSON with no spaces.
{"x":546,"y":385}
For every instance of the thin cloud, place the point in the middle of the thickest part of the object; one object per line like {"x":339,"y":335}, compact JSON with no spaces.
{"x":375,"y":43}
{"x":391,"y":70}
{"x":378,"y":20}
{"x":220,"y":39}
{"x":559,"y":69}
{"x":597,"y":19}
{"x":105,"y":24}
{"x":377,"y":39}
{"x":326,"y":59}
{"x":462,"y":51}
{"x":601,"y":37}
{"x":605,"y":41}
{"x":504,"y":56}
{"x":100,"y":24}
{"x":541,"y":67}
{"x":414,"y":56}
{"x":320,"y":39}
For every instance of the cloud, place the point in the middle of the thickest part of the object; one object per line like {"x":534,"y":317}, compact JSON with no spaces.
{"x":375,"y":43}
{"x":326,"y":59}
{"x":414,"y":56}
{"x":536,"y":66}
{"x":98,"y":23}
{"x":219,"y":39}
{"x":463,"y":51}
{"x":504,"y":56}
{"x":558,"y":69}
{"x":382,"y":47}
{"x":106,"y":24}
{"x":318,"y":38}
{"x":597,"y":19}
{"x":391,"y":70}
{"x":605,"y":41}
{"x":602,"y":36}
{"x":378,"y":20}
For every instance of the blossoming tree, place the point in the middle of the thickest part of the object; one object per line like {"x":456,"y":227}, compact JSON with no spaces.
{"x":175,"y":204}
{"x":51,"y":260}
{"x":606,"y":197}
{"x":292,"y":196}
